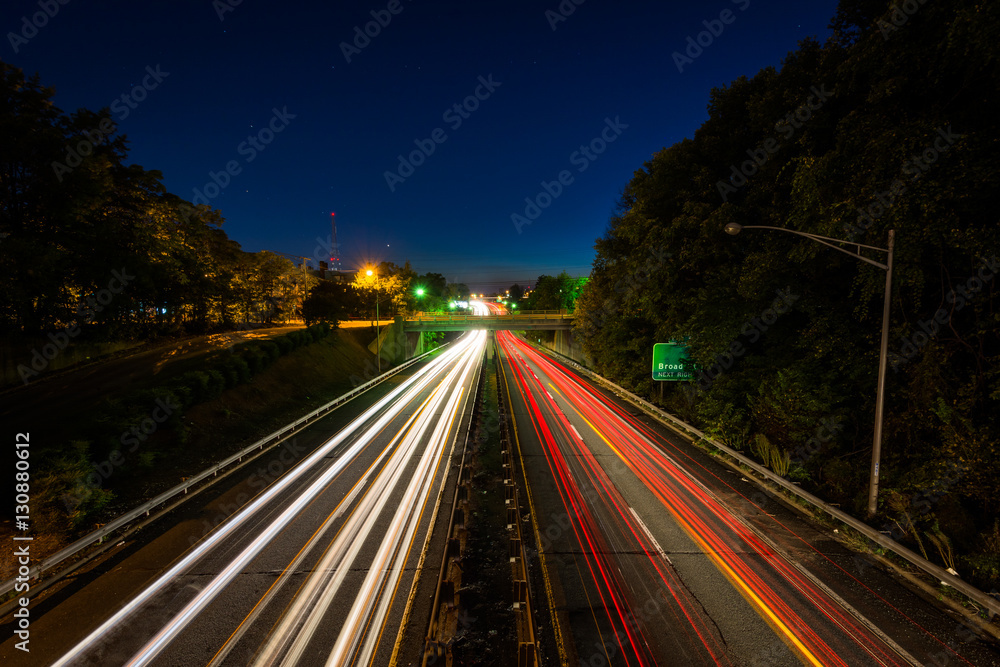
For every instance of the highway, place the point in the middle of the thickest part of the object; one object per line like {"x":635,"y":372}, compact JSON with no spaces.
{"x":644,"y":563}
{"x":644,"y":553}
{"x":319,"y":567}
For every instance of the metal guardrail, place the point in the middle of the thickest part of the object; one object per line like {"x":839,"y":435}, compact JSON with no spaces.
{"x":942,"y":575}
{"x":525,"y":316}
{"x":568,"y":313}
{"x":98,"y":536}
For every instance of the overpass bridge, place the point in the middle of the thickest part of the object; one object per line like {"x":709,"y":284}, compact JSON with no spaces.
{"x":528,"y":320}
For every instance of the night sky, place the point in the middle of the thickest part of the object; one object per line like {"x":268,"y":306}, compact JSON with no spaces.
{"x":224,"y":67}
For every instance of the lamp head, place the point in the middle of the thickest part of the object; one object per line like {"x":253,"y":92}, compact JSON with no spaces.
{"x":733,"y":228}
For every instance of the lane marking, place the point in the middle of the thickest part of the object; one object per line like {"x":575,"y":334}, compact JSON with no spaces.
{"x":649,"y":536}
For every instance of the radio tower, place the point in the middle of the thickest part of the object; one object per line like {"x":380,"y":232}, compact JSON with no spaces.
{"x":334,"y":246}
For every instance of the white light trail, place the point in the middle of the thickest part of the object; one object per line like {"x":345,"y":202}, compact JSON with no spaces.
{"x":407,"y":391}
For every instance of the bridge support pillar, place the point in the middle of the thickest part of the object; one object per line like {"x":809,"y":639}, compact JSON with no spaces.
{"x":566,"y":345}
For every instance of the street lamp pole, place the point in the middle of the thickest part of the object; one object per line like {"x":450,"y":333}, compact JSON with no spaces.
{"x":378,"y":337}
{"x":734,"y":228}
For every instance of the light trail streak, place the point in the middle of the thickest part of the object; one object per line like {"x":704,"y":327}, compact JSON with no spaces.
{"x":725,"y":539}
{"x":606,"y":576}
{"x":417,"y":495}
{"x":383,"y":412}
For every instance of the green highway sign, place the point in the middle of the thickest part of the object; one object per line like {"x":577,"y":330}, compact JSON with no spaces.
{"x":670,"y":362}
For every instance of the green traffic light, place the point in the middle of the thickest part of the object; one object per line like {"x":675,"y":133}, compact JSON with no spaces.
{"x":420,"y":291}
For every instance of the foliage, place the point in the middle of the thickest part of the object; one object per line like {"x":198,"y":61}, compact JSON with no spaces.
{"x":389,"y":286}
{"x":330,"y":302}
{"x":91,"y":241}
{"x":772,"y":456}
{"x":554,"y":293}
{"x":907,"y":140}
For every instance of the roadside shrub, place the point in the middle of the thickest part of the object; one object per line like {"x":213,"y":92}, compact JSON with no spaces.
{"x":271,"y":351}
{"x":184,"y":394}
{"x":984,"y":564}
{"x":64,"y":498}
{"x":284,"y":344}
{"x":216,"y":384}
{"x":236,"y":371}
{"x":254,"y":359}
{"x":199,"y":385}
{"x":318,"y":331}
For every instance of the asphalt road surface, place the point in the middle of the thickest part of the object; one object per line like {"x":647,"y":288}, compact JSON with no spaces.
{"x":317,"y":568}
{"x":651,"y":553}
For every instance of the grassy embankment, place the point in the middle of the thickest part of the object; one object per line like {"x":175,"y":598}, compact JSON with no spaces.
{"x":224,"y":401}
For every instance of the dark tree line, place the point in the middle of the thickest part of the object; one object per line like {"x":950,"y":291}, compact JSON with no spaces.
{"x":550,"y":293}
{"x":891,"y":124}
{"x":76,"y":218}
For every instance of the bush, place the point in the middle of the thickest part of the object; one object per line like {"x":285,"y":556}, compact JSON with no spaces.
{"x":216,"y":384}
{"x":284,"y":344}
{"x":184,"y":393}
{"x":66,"y":499}
{"x":254,"y":359}
{"x":271,"y":351}
{"x":319,"y":330}
{"x":198,"y":384}
{"x":984,"y":564}
{"x":236,"y":371}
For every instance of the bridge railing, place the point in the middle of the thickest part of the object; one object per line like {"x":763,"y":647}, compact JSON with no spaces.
{"x":521,"y":315}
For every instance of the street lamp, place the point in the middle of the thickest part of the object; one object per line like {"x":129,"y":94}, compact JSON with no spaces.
{"x":734,"y":228}
{"x":378,"y":338}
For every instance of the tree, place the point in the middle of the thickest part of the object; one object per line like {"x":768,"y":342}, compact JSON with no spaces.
{"x":434,"y":287}
{"x":903,"y":138}
{"x":515,"y":294}
{"x":457,"y":292}
{"x":330,"y":302}
{"x":555,"y":292}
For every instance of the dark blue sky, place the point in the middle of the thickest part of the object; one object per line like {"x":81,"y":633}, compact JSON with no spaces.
{"x":221,"y":80}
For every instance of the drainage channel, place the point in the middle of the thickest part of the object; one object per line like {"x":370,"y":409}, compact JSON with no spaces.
{"x":482,"y":610}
